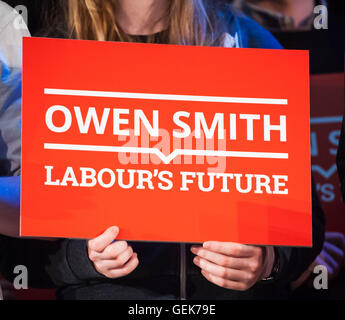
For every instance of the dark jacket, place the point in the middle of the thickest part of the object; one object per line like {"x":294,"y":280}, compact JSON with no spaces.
{"x":163,"y":266}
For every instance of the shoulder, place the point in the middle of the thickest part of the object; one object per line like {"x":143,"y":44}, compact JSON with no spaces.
{"x":12,"y":30}
{"x":7,"y":15}
{"x":11,"y":20}
{"x":248,"y":33}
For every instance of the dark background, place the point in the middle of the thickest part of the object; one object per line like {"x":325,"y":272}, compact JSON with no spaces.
{"x":326,"y":46}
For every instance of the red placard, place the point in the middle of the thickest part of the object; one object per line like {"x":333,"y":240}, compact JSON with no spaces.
{"x":327,"y":109}
{"x":170,"y":143}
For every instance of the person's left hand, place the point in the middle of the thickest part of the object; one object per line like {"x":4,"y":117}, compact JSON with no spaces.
{"x":231,"y":265}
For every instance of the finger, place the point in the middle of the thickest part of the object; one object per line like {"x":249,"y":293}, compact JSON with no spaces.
{"x":334,"y":251}
{"x":336,"y":238}
{"x":124,"y":257}
{"x":220,"y":259}
{"x":231,"y":249}
{"x":330,"y":260}
{"x":113,"y":250}
{"x":115,"y":263}
{"x":228,"y":284}
{"x":126,"y":269}
{"x":219,"y":271}
{"x":314,"y":264}
{"x":302,"y":279}
{"x":320,"y":261}
{"x":101,"y":242}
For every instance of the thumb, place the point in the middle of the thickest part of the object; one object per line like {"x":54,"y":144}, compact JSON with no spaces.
{"x":101,"y":242}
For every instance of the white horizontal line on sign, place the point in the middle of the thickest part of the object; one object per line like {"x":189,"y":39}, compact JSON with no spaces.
{"x":170,"y":157}
{"x":171,"y":97}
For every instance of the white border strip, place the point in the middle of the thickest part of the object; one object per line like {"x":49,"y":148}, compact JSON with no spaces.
{"x":171,"y":97}
{"x":170,"y":157}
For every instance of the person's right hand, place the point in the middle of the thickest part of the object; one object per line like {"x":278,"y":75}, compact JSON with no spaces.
{"x":113,"y":259}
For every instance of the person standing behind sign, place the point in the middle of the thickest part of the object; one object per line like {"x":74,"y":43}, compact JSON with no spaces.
{"x":214,"y":270}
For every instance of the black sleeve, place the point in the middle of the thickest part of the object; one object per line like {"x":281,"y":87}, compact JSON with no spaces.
{"x":50,"y":264}
{"x":341,"y":159}
{"x":293,"y":261}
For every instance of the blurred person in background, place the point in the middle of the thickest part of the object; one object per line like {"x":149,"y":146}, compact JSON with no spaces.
{"x":281,"y":15}
{"x":292,"y":22}
{"x":12,"y":29}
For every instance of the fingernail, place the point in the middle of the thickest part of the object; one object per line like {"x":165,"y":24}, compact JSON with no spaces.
{"x":205,"y":244}
{"x":115,"y":229}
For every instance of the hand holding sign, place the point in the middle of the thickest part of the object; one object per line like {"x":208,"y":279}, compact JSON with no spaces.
{"x":112,"y":259}
{"x":231,"y":265}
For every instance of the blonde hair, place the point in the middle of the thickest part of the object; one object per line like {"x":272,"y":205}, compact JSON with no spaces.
{"x":191,"y":22}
